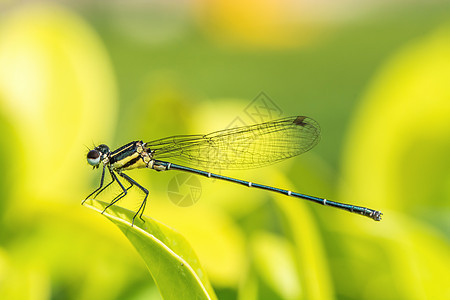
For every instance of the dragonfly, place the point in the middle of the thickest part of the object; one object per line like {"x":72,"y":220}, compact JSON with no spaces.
{"x":245,"y":147}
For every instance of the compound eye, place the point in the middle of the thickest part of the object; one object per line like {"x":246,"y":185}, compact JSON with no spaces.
{"x":93,"y":157}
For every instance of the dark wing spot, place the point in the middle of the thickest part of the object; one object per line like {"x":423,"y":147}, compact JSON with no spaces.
{"x":299,"y":121}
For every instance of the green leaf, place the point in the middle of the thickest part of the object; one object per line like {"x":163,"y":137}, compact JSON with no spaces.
{"x":170,"y":259}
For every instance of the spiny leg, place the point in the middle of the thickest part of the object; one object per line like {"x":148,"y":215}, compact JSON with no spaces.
{"x":142,"y":207}
{"x":99,"y":188}
{"x":121,"y":195}
{"x":96,"y":194}
{"x":117,"y":198}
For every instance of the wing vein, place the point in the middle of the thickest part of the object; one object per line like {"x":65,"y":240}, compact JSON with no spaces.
{"x":242,"y":147}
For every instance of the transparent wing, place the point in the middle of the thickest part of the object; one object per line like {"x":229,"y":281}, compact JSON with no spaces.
{"x":242,"y":147}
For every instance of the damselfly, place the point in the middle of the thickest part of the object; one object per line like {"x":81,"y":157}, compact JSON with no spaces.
{"x":235,"y":148}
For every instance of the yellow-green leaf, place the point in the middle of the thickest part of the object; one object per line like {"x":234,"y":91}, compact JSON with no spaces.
{"x":170,"y":259}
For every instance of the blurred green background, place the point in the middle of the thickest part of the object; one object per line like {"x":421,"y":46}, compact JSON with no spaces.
{"x":374,"y":74}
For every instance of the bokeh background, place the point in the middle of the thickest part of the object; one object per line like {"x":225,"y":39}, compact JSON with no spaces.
{"x":374,"y":74}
